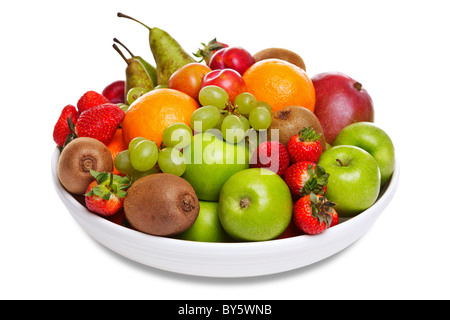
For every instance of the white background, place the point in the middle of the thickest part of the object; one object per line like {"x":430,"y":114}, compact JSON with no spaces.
{"x":54,"y":51}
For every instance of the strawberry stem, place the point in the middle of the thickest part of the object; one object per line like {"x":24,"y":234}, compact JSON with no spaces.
{"x":111,"y":180}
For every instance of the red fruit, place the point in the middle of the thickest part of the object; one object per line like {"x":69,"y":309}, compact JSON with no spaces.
{"x":305,"y":146}
{"x":235,"y":58}
{"x":313,"y":214}
{"x":291,"y":231}
{"x":89,"y":100}
{"x":334,"y":218}
{"x":61,"y":129}
{"x":228,"y":79}
{"x":115,"y":92}
{"x":271,"y":155}
{"x":209,"y":49}
{"x":106,"y":193}
{"x":340,"y":101}
{"x":189,"y":78}
{"x":100,"y":122}
{"x":305,"y":177}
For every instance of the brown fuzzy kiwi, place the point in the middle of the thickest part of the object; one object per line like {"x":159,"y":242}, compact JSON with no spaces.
{"x":161,"y":204}
{"x":282,"y":54}
{"x":78,"y":158}
{"x":290,"y":120}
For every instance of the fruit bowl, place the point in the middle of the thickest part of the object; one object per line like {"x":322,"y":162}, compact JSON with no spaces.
{"x":237,"y":259}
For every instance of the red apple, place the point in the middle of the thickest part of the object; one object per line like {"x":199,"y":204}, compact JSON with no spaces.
{"x":235,"y":58}
{"x":340,"y":101}
{"x":115,"y":92}
{"x":228,"y":79}
{"x":188,"y":78}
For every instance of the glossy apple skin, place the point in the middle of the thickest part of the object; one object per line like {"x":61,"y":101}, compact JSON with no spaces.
{"x":207,"y":226}
{"x":210,"y":161}
{"x":255,"y":205}
{"x":340,"y":101}
{"x":189,"y":78}
{"x":355,"y":185}
{"x":235,"y":58}
{"x":228,"y":79}
{"x":115,"y":92}
{"x":375,"y":141}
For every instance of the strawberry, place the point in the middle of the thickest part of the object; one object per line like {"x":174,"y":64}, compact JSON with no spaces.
{"x":305,"y":146}
{"x":271,"y":155}
{"x":305,"y":177}
{"x":100,"y":122}
{"x":334,"y":218}
{"x":89,"y":100}
{"x":62,"y":129}
{"x":106,"y":193}
{"x":209,"y":49}
{"x":313,"y":214}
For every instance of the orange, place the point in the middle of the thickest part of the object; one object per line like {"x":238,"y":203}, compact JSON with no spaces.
{"x":150,"y":114}
{"x":280,"y":84}
{"x":116,"y":146}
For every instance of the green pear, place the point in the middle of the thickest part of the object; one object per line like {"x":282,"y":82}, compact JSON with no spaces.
{"x":137,"y":75}
{"x":151,"y":70}
{"x":167,"y":52}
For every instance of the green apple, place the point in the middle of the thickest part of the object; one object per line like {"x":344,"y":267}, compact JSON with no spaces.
{"x":354,"y":181}
{"x":254,"y":205}
{"x":375,"y":141}
{"x":207,"y":226}
{"x":210,"y":161}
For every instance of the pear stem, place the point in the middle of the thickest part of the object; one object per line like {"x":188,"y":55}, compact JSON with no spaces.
{"x":121,"y":15}
{"x":120,"y":52}
{"x":116,"y":40}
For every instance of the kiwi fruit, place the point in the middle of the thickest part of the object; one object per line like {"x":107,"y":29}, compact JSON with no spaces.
{"x":290,"y":120}
{"x":282,"y":54}
{"x":78,"y":158}
{"x":161,"y":204}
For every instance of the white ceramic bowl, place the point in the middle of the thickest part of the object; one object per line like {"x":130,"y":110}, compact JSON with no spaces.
{"x":244,"y":259}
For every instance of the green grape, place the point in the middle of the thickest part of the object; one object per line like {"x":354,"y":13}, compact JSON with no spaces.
{"x":213,"y":96}
{"x":134,"y":142}
{"x":245,"y":102}
{"x":265,"y":105}
{"x":171,"y":161}
{"x":205,"y":118}
{"x":219,"y":123}
{"x":122,"y":162}
{"x":144,"y":155}
{"x":260,"y":118}
{"x":177,"y":135}
{"x":245,"y":122}
{"x":136,"y":175}
{"x":134,"y":93}
{"x":124,"y":107}
{"x":232,"y":129}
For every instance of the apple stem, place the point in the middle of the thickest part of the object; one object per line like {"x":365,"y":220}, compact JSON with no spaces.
{"x":340,"y":162}
{"x":244,"y":203}
{"x":358,"y":86}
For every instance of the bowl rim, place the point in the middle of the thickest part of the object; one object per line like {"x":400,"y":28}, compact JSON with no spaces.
{"x":100,"y":222}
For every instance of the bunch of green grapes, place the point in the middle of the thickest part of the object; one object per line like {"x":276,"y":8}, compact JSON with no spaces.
{"x":233,"y":121}
{"x":143,"y":156}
